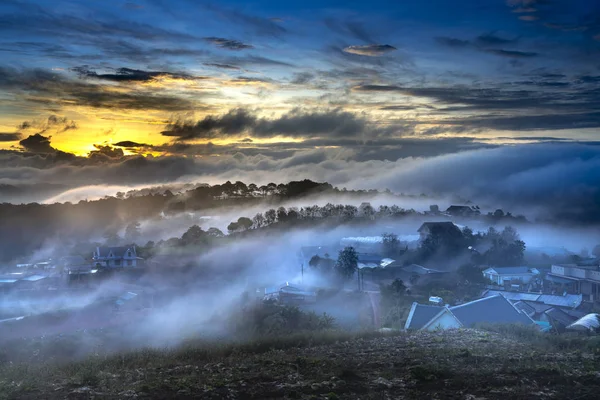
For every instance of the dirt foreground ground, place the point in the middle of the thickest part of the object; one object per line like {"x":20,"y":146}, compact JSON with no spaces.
{"x":461,"y":364}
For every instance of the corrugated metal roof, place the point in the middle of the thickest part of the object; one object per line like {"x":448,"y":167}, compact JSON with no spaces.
{"x":514,"y":270}
{"x":538,"y":307}
{"x":421,"y":314}
{"x":525,"y":307}
{"x":34,"y":278}
{"x":514,"y":296}
{"x":588,"y":322}
{"x":558,"y":315}
{"x":495,"y":310}
{"x":569,"y":300}
{"x":418,"y":269}
{"x":560,"y":279}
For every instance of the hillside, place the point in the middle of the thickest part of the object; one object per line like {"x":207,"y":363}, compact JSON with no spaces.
{"x":464,"y":364}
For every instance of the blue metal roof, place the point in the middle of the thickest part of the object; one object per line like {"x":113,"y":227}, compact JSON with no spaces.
{"x":512,"y":270}
{"x":34,"y":278}
{"x":514,"y":296}
{"x":421,"y":314}
{"x":569,"y":300}
{"x":559,"y":279}
{"x":494,"y":310}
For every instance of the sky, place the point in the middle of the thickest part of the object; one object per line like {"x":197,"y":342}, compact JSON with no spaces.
{"x":151,"y":91}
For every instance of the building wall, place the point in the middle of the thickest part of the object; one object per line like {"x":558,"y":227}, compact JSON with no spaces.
{"x":499,"y":279}
{"x":595,"y":275}
{"x":586,"y":288}
{"x":445,"y":321}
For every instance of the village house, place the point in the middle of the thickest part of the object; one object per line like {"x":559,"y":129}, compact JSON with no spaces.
{"x":503,"y":276}
{"x":115,"y":257}
{"x":491,"y":310}
{"x":557,"y":311}
{"x":462,"y":211}
{"x":445,"y":227}
{"x":573,"y":278}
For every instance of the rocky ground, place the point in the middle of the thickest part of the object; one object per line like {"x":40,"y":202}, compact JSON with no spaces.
{"x":462,"y":364}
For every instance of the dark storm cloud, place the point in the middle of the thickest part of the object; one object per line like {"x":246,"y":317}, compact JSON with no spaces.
{"x":105,"y":152}
{"x":488,"y":43}
{"x":129,"y":74}
{"x":53,"y":123}
{"x":9,"y":137}
{"x":534,"y":122}
{"x":378,"y":88}
{"x":49,"y":88}
{"x":491,"y":39}
{"x":301,"y":78}
{"x":250,"y":79}
{"x":512,"y":53}
{"x":371,"y":50}
{"x":130,"y":144}
{"x":222,"y":66}
{"x":37,"y":144}
{"x":37,"y":20}
{"x":557,"y":109}
{"x":296,"y":123}
{"x":452,"y":42}
{"x":262,"y":61}
{"x":228,"y":44}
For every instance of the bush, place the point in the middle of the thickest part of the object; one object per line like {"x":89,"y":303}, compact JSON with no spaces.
{"x":273,"y":319}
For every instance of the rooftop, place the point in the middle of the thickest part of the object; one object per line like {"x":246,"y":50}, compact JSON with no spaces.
{"x":446,"y":225}
{"x":494,"y":309}
{"x":420,"y":270}
{"x":514,"y":270}
{"x":567,"y":300}
{"x":421,"y":314}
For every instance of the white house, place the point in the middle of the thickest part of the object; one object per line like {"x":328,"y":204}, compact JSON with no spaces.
{"x":115,"y":257}
{"x":500,"y":275}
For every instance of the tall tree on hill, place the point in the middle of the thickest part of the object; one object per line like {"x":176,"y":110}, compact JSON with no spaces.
{"x":347,"y":262}
{"x":507,"y":248}
{"x":194,"y":235}
{"x":391,"y":244}
{"x":111,"y":237}
{"x":132,"y":232}
{"x":258,"y":221}
{"x":270,"y":216}
{"x":282,"y":214}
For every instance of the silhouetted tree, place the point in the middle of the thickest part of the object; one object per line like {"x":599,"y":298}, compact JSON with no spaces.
{"x":233,"y":227}
{"x":347,"y":262}
{"x":111,"y":237}
{"x":324,"y":265}
{"x":194,"y":235}
{"x":270,"y":216}
{"x":282,"y":214}
{"x":244,"y":223}
{"x":215,"y":232}
{"x":132,"y":232}
{"x":391,"y":244}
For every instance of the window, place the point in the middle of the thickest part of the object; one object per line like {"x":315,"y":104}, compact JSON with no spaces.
{"x":129,"y":262}
{"x":129,"y":254}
